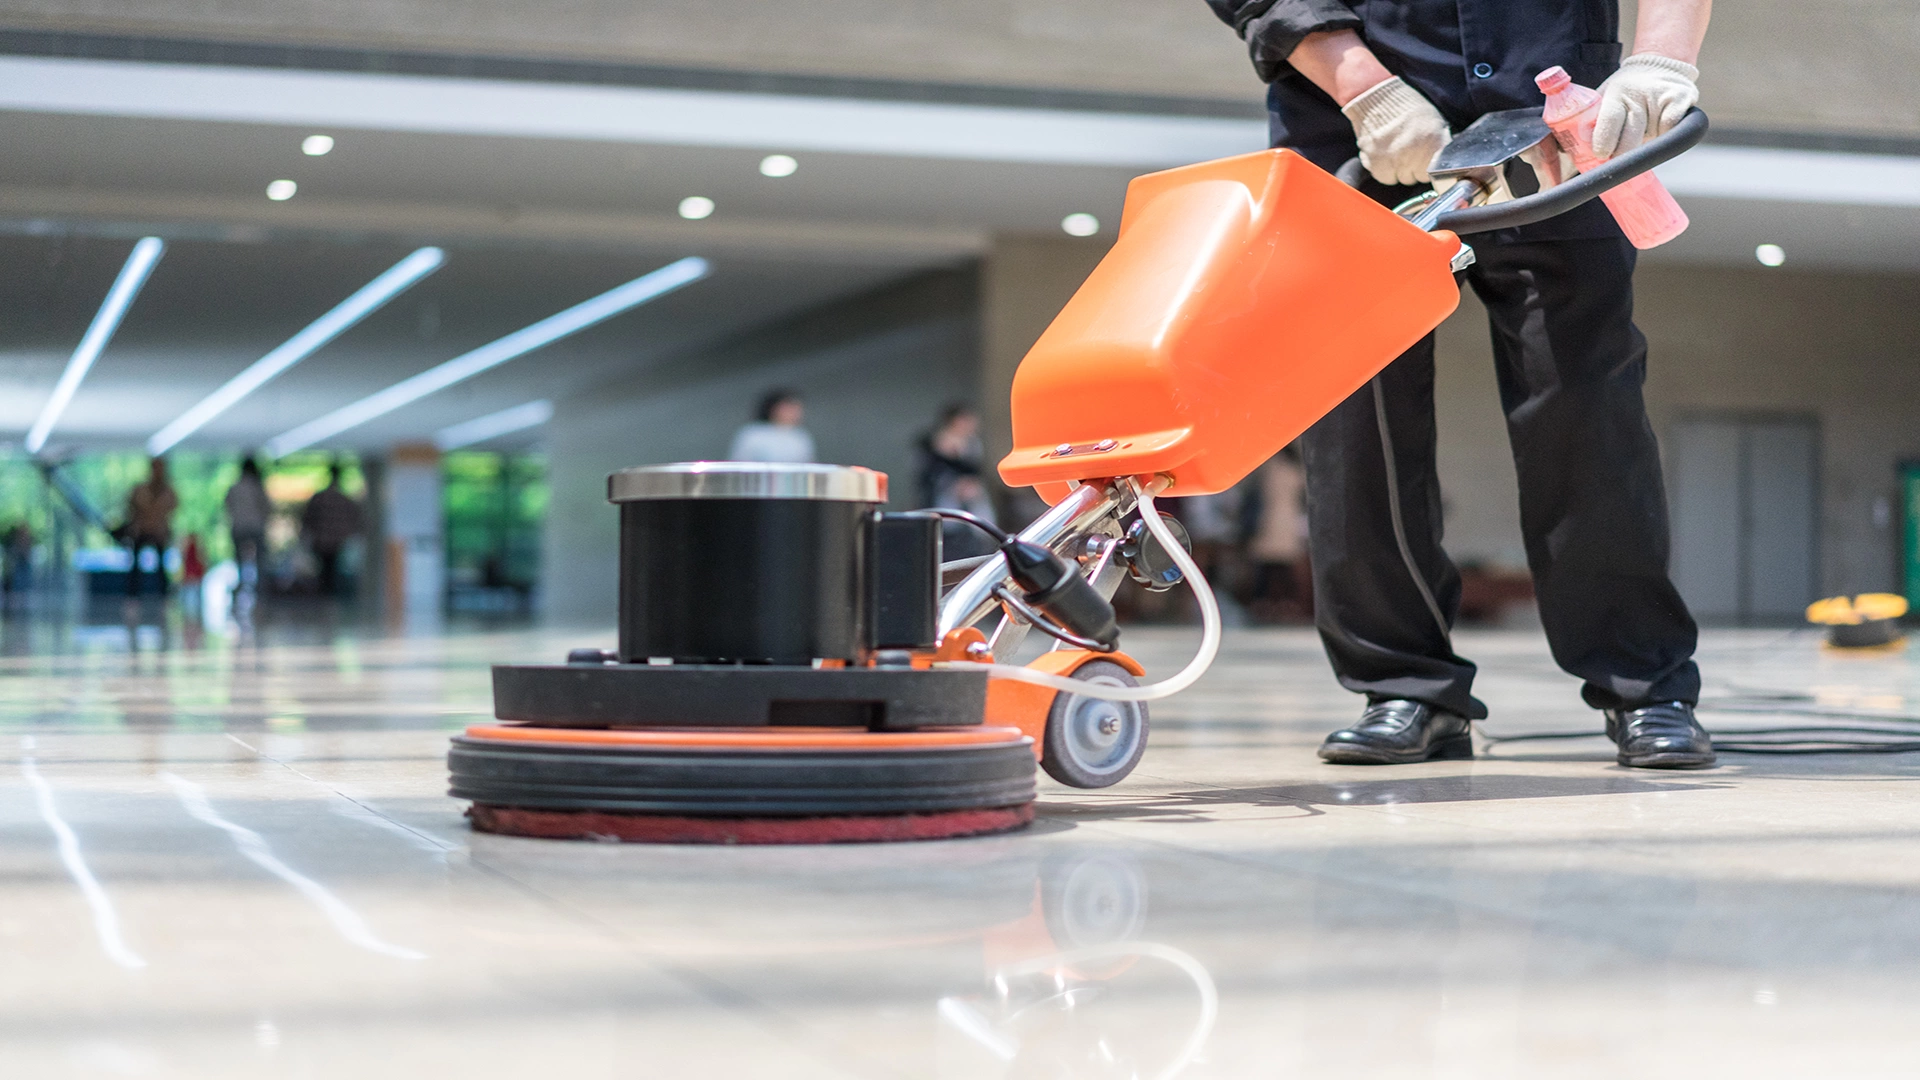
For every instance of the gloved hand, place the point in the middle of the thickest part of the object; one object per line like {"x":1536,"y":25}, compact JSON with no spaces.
{"x":1399,"y":132}
{"x":1648,"y":95}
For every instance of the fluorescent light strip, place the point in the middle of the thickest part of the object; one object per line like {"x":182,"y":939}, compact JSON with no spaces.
{"x":493,"y":425}
{"x":133,"y":274}
{"x":672,"y":276}
{"x":369,"y":299}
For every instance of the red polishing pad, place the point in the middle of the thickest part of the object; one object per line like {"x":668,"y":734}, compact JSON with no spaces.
{"x":663,"y":829}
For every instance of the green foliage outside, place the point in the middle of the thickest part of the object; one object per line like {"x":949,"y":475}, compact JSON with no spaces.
{"x":494,"y":505}
{"x":200,"y":479}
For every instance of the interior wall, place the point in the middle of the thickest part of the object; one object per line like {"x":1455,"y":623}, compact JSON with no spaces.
{"x":1837,"y":346}
{"x":1024,"y":282}
{"x":875,"y":370}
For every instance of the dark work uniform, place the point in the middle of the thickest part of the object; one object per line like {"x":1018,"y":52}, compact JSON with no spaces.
{"x":1559,"y":298}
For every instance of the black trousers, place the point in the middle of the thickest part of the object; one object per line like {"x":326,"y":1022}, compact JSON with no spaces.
{"x":329,"y":572}
{"x":1592,"y":504}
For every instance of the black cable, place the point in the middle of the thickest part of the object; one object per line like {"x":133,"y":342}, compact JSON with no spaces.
{"x":1000,"y":535}
{"x":1782,"y":741}
{"x":1052,"y":629}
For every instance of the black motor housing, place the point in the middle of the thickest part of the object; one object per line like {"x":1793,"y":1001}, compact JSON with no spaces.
{"x":762,"y":563}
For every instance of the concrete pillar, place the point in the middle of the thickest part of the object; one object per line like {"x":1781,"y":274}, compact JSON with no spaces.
{"x":414,"y":571}
{"x":371,"y":591}
{"x":1025,"y":280}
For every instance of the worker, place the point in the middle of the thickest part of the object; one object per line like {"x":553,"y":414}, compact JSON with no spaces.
{"x":1390,"y":80}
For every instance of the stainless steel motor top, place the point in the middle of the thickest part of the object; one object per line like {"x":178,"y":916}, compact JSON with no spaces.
{"x":747,"y":480}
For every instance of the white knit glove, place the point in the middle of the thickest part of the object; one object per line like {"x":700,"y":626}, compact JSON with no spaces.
{"x":1648,"y":95}
{"x":1399,"y":132}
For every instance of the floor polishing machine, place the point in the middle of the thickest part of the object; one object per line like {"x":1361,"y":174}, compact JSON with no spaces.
{"x":796,"y":665}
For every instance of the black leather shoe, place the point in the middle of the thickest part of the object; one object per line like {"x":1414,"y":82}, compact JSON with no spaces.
{"x":1397,"y":732}
{"x":1662,"y":736}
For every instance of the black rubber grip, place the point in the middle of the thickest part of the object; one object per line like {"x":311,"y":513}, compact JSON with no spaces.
{"x":1557,"y":200}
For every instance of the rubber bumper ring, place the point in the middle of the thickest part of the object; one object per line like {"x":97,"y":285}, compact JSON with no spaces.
{"x":759,"y":774}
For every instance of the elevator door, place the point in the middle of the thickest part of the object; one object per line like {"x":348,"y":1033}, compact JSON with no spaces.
{"x":1745,"y":496}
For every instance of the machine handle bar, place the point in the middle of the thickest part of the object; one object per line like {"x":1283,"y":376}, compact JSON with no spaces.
{"x":1561,"y":198}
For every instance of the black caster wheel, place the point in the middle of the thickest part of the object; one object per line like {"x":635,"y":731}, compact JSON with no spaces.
{"x":1092,"y":743}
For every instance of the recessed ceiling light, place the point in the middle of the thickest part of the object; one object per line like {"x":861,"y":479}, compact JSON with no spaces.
{"x":1080,"y":224}
{"x":281,"y":190}
{"x":1770,"y":254}
{"x":778,"y":165}
{"x":695,"y":207}
{"x":316,"y":145}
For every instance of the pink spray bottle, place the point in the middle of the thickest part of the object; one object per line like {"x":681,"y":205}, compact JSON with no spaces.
{"x":1642,"y":205}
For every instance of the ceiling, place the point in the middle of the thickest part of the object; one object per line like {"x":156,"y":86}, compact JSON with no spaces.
{"x":536,"y":218}
{"x":214,"y":306}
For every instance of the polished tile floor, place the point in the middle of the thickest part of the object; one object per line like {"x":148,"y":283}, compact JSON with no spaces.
{"x":235,"y":858}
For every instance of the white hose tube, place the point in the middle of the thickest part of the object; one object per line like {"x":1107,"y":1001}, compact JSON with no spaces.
{"x":1165,"y":688}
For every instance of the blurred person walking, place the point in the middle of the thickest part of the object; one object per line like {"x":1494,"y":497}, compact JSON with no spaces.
{"x":951,"y":469}
{"x":1276,"y":523}
{"x":248,"y":510}
{"x":331,"y":519}
{"x":150,"y":507}
{"x":776,"y":435}
{"x":16,"y":560}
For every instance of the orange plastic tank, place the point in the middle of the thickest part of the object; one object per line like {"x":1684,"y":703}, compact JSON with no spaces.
{"x":1243,"y":300}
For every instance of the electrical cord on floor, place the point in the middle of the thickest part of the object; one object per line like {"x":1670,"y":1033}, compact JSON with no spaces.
{"x":1778,"y":740}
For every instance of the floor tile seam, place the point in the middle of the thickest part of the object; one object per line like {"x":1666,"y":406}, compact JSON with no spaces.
{"x":1629,"y":845}
{"x":1628,"y":842}
{"x":1224,"y":798}
{"x":1654,"y":863}
{"x":338,"y":793}
{"x":1534,"y":920}
{"x":1526,"y":841}
{"x":1267,"y":869}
